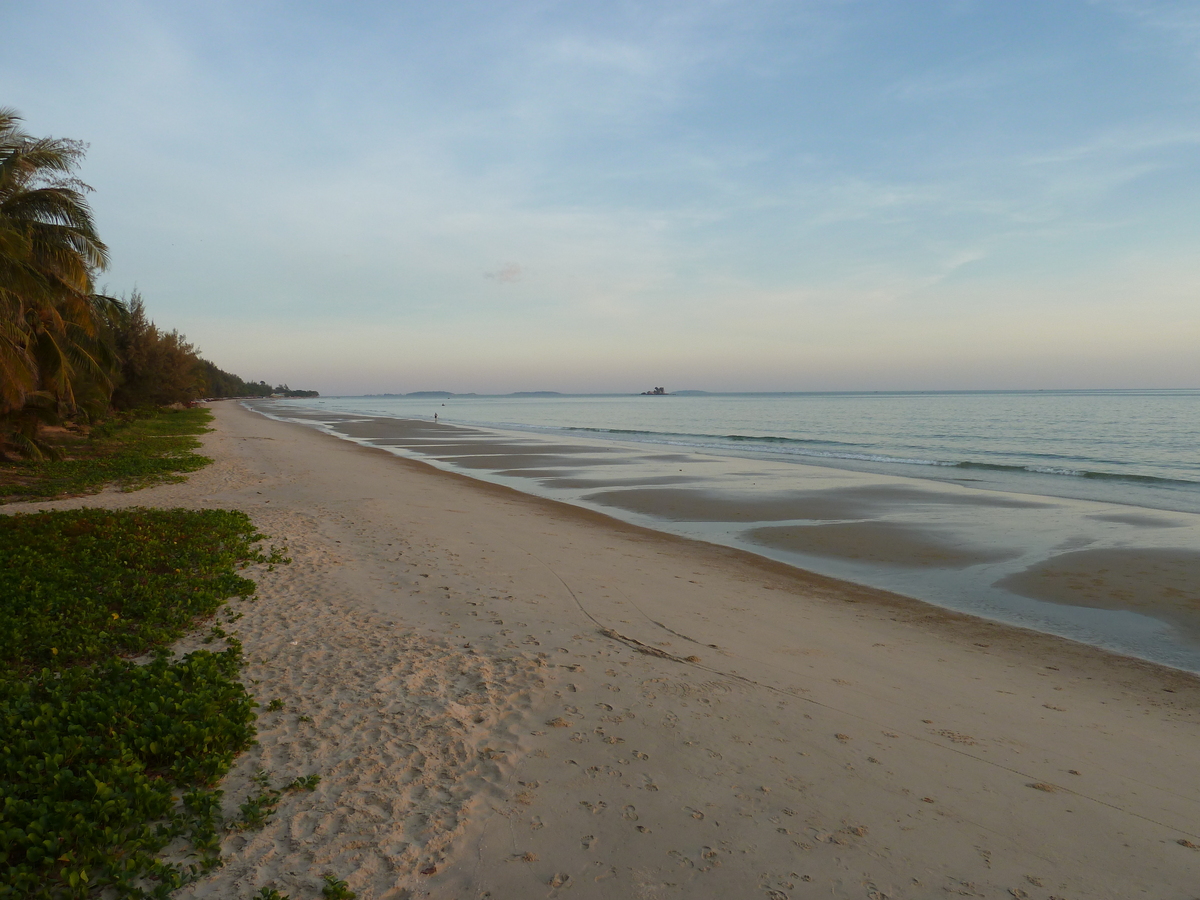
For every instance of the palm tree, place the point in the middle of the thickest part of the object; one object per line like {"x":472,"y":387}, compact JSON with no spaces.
{"x":52,"y":323}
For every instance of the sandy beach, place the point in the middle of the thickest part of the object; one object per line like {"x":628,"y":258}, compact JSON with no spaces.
{"x":508,"y":697}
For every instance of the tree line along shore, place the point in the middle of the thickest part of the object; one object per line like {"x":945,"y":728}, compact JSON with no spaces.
{"x":108,"y":759}
{"x":71,"y":356}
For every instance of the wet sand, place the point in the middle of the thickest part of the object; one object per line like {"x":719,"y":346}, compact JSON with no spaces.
{"x":1140,"y":520}
{"x":834,"y":503}
{"x":609,"y":483}
{"x":522,"y":461}
{"x":494,"y":448}
{"x":881,"y":542}
{"x":1159,"y":582}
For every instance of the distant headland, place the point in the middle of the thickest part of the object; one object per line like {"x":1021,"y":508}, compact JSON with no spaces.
{"x":443,"y":395}
{"x":446,"y":395}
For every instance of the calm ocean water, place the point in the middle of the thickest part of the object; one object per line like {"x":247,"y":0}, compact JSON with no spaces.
{"x":1134,"y":447}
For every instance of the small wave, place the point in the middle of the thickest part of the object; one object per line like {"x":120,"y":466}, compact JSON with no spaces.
{"x":869,"y":457}
{"x":821,"y":449}
{"x":831,"y":450}
{"x":1057,"y":470}
{"x":784,"y":446}
{"x":1080,"y":473}
{"x":606,"y":430}
{"x":1142,"y":479}
{"x":736,"y":438}
{"x":740,"y":438}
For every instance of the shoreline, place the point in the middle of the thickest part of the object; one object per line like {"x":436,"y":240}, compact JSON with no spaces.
{"x":1031,"y":561}
{"x":533,"y":699}
{"x":793,"y":577}
{"x":1135,"y":480}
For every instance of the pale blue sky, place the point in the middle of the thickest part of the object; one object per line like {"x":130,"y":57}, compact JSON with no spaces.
{"x":580,"y":196}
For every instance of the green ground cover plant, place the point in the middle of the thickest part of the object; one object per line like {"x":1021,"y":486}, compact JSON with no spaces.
{"x":79,"y":586}
{"x":336,"y":889}
{"x":132,"y":450}
{"x":260,"y":806}
{"x":106,"y":761}
{"x":333,"y":889}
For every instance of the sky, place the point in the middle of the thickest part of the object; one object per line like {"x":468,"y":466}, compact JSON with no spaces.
{"x":369,"y":197}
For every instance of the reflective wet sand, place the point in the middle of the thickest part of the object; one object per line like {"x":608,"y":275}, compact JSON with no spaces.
{"x":698,"y":505}
{"x":890,"y":543}
{"x":1156,"y":582}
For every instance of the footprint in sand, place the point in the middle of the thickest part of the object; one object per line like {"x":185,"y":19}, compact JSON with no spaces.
{"x":587,"y":841}
{"x":681,"y":859}
{"x":630,"y":813}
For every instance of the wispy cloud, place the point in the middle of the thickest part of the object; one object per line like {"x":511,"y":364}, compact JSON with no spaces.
{"x":509,"y":273}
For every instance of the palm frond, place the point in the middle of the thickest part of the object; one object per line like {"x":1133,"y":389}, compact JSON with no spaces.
{"x":53,"y":327}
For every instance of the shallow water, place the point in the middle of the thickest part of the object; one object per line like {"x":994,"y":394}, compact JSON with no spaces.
{"x":1137,"y":447}
{"x":1109,"y":557}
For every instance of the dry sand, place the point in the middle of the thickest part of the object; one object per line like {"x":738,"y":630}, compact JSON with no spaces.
{"x":512,"y":698}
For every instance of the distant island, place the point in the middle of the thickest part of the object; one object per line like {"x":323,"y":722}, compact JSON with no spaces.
{"x":446,"y":395}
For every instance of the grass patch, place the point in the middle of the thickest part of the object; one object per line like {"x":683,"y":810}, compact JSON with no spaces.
{"x":132,"y":450}
{"x":106,"y":762}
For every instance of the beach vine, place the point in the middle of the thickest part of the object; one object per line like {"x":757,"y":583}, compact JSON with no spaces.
{"x":107,"y":759}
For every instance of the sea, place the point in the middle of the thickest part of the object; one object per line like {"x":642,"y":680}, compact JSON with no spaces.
{"x":1071,"y":512}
